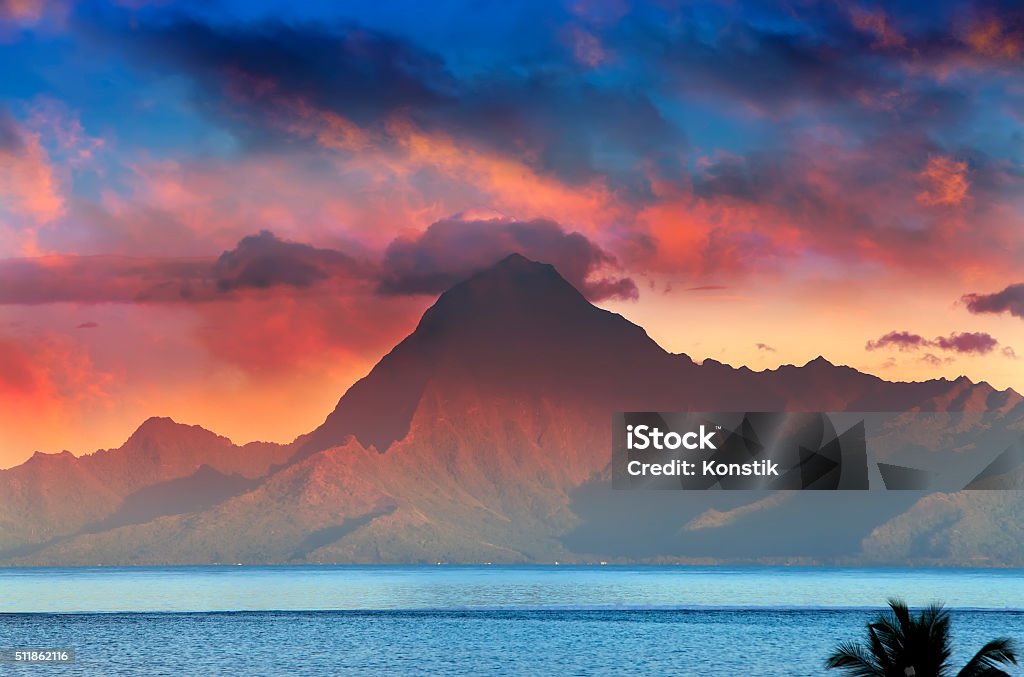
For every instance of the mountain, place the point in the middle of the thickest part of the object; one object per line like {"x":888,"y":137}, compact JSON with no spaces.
{"x":483,"y":436}
{"x":53,"y":495}
{"x":520,"y":327}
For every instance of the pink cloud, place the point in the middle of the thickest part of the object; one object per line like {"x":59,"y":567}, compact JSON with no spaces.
{"x":945,"y":182}
{"x":29,"y":186}
{"x":586,"y":47}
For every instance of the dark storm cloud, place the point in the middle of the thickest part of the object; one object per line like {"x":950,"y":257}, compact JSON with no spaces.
{"x":453,"y":249}
{"x":871,"y":72}
{"x":566,"y":124}
{"x":364,"y":74}
{"x":1009,"y":300}
{"x":771,"y":63}
{"x":858,"y":60}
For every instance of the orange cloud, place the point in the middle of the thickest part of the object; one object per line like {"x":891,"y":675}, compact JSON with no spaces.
{"x":47,"y":383}
{"x":992,"y":38}
{"x":37,"y":15}
{"x":25,"y":11}
{"x":506,"y":184}
{"x":331,"y":130}
{"x":189,"y":208}
{"x":945,"y":181}
{"x":267,"y":333}
{"x":17,"y":378}
{"x":391,"y":152}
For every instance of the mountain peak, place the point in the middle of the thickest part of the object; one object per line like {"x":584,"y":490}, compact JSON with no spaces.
{"x":514,"y":294}
{"x":518,"y":264}
{"x":516,"y":267}
{"x":515,"y":259}
{"x":518,"y":326}
{"x":162,"y":430}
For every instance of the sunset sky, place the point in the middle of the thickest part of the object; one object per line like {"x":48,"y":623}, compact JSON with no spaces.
{"x":228,"y":215}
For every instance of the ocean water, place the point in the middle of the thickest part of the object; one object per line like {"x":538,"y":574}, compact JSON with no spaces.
{"x":464,"y":620}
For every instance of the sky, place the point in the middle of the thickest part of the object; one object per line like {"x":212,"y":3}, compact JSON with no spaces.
{"x":227,"y":212}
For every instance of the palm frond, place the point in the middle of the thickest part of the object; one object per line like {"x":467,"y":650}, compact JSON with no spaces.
{"x":991,"y":659}
{"x":879,"y":649}
{"x":901,"y":612}
{"x":854,"y":660}
{"x":897,"y":638}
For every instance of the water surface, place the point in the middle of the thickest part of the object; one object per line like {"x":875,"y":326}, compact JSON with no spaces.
{"x":462,"y":620}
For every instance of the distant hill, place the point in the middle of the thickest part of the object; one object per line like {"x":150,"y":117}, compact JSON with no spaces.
{"x":485,"y":436}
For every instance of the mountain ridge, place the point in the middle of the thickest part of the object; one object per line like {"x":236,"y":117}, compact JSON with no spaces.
{"x":484,"y":435}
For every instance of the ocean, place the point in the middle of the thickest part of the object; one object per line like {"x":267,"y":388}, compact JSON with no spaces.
{"x":472,"y":620}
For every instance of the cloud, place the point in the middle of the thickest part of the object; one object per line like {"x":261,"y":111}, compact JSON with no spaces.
{"x":992,"y":37}
{"x":272,"y":334}
{"x":1009,"y":300}
{"x":49,"y":384}
{"x":48,"y":369}
{"x":16,"y":373}
{"x":903,"y":340}
{"x":10,"y":134}
{"x":88,"y":325}
{"x":945,"y":181}
{"x":452,"y":249}
{"x":427,"y":263}
{"x":976,"y":343}
{"x":263,"y":261}
{"x":586,"y":47}
{"x":879,"y":25}
{"x":967,"y":342}
{"x":835,"y":56}
{"x":103,"y":279}
{"x":897,"y":200}
{"x":861,"y":174}
{"x":1009,"y":353}
{"x":30,"y":192}
{"x":276,"y":76}
{"x":259,"y":262}
{"x":765,"y":347}
{"x":28,"y":12}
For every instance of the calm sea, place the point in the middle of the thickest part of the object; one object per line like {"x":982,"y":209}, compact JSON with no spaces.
{"x":466,"y":620}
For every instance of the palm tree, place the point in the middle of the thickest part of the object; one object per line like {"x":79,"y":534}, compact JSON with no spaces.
{"x":900,"y":645}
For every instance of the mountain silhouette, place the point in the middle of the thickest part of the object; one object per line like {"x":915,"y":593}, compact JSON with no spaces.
{"x":516,"y":327}
{"x":485,"y":435}
{"x":520,"y":327}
